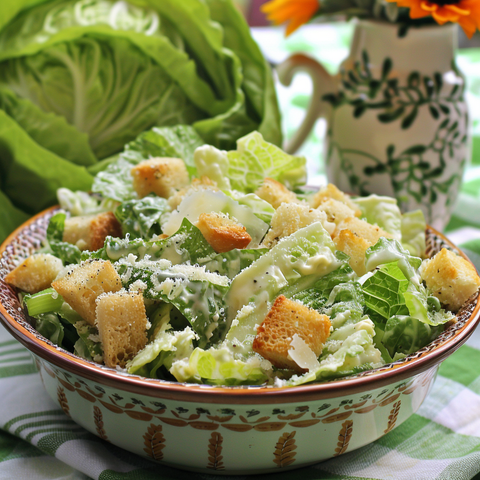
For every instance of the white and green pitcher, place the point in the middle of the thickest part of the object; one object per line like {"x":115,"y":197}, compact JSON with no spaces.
{"x":397,"y":116}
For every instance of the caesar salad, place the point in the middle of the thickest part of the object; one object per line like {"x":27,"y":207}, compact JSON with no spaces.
{"x":194,"y":264}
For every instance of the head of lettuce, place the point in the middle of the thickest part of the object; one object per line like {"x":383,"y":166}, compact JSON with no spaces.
{"x":81,"y":78}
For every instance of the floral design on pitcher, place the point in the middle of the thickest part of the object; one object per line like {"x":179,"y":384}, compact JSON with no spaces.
{"x":421,"y":172}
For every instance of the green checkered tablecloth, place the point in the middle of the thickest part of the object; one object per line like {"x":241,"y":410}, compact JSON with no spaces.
{"x":441,"y":441}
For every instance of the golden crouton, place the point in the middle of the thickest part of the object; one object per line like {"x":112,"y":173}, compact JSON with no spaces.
{"x":285,"y":319}
{"x":88,"y":232}
{"x":223,"y":233}
{"x":450,"y":278}
{"x":81,"y":286}
{"x":331,"y":191}
{"x":162,"y":176}
{"x":355,"y":247}
{"x":122,"y":326}
{"x":336,"y":211}
{"x":197,"y":185}
{"x":290,"y":217}
{"x":35,"y":273}
{"x":361,"y":228}
{"x":275,"y":193}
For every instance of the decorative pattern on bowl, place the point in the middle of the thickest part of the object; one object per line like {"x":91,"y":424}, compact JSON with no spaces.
{"x":230,"y":430}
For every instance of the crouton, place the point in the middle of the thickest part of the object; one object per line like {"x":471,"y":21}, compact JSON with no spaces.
{"x":88,"y":232}
{"x":355,"y":247}
{"x":275,"y":193}
{"x":286,"y":319}
{"x":290,"y":217}
{"x":122,"y":326}
{"x":162,"y":176}
{"x":197,"y":185}
{"x":35,"y":273}
{"x":361,"y":228}
{"x":81,"y":286}
{"x":223,"y":233}
{"x":336,"y":211}
{"x":331,"y":191}
{"x":450,"y":278}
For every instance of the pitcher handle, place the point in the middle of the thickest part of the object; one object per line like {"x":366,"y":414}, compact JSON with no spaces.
{"x":322,"y":83}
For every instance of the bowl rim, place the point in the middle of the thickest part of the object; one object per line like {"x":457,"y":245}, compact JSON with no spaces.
{"x":255,"y":394}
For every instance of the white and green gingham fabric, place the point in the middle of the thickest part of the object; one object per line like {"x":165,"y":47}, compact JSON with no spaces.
{"x":441,"y":441}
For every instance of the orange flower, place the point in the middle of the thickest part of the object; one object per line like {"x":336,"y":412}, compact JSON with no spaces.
{"x":464,"y":12}
{"x":295,"y":12}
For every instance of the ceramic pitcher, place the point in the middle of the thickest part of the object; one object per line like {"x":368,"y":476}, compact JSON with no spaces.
{"x":397,"y":116}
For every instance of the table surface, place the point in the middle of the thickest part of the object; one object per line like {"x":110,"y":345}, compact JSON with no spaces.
{"x":440,"y":441}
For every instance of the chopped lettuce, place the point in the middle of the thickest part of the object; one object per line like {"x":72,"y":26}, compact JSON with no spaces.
{"x":389,"y":250}
{"x":405,"y":334}
{"x":350,"y":348}
{"x":166,"y":347}
{"x":218,"y":366}
{"x":245,"y":168}
{"x":413,"y":232}
{"x":233,"y":262}
{"x":82,"y":203}
{"x":186,"y":245}
{"x":196,"y":293}
{"x":65,"y":251}
{"x":116,"y":182}
{"x":304,"y":256}
{"x":261,"y":208}
{"x":141,"y":218}
{"x":382,"y":211}
{"x":384,"y":293}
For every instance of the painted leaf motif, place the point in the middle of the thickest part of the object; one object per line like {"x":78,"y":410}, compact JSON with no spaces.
{"x":215,"y":448}
{"x":344,"y":438}
{"x":98,"y":419}
{"x":284,"y":453}
{"x":392,"y":418}
{"x":154,"y":442}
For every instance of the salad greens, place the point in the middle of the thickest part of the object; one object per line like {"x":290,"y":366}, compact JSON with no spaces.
{"x":81,"y":78}
{"x":204,"y":306}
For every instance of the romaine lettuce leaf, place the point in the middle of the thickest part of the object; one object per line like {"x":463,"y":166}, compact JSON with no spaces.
{"x":318,"y":294}
{"x":382,"y":211}
{"x":384,"y":293}
{"x":218,"y":366}
{"x":350,"y":348}
{"x":404,"y":335}
{"x":166,"y":347}
{"x":388,"y":251}
{"x":66,"y":252}
{"x":141,"y":218}
{"x":245,"y":168}
{"x":187,"y":245}
{"x":413,"y":232}
{"x":197,"y":294}
{"x":233,"y":262}
{"x":256,"y":159}
{"x":48,"y":130}
{"x":261,"y":208}
{"x":304,"y":256}
{"x":10,"y":216}
{"x":31,"y":175}
{"x":115,"y":182}
{"x":83,"y":203}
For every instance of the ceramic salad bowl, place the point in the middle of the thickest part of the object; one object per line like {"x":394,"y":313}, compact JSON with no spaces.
{"x":229,"y":430}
